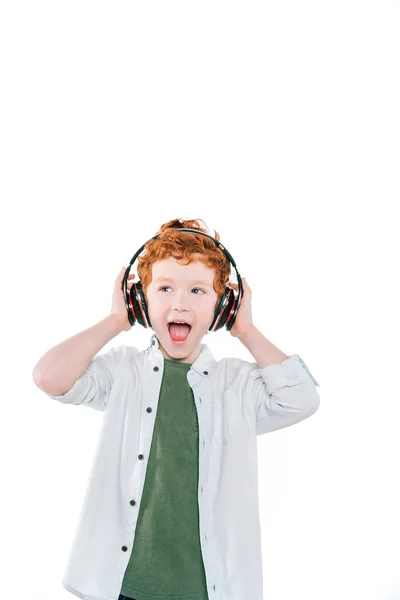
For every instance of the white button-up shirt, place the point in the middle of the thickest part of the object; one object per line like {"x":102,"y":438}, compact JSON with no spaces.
{"x":236,"y":401}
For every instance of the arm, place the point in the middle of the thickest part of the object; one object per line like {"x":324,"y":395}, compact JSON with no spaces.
{"x":263,"y":351}
{"x":58,"y":369}
{"x":282,"y":388}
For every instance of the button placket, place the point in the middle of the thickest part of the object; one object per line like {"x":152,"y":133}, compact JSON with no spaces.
{"x":141,"y":456}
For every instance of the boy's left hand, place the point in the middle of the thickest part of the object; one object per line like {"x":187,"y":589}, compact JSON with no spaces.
{"x":244,"y":319}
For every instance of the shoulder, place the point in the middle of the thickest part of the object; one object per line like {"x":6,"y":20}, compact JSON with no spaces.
{"x":236,"y":371}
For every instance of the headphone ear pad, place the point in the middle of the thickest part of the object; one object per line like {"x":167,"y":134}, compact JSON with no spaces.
{"x":138,"y":302}
{"x":222,"y":315}
{"x":229,"y":318}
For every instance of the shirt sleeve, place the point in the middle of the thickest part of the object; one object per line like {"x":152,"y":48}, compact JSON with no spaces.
{"x":93,"y":387}
{"x":283,"y":394}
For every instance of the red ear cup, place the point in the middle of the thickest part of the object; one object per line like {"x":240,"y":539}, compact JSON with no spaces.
{"x":137,"y":306}
{"x":223,"y":316}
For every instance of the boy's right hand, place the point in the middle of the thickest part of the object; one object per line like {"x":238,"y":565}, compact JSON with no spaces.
{"x":118,"y":306}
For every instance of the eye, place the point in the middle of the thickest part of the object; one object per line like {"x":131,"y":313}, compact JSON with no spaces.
{"x":167,"y":287}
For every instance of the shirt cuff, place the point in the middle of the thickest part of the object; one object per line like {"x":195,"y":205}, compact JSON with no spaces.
{"x":292,"y":371}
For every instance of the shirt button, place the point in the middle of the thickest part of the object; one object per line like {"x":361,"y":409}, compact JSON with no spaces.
{"x":205,"y":372}
{"x":132,"y":502}
{"x":141,"y":456}
{"x":149,"y":409}
{"x":124,"y":548}
{"x":156,"y":369}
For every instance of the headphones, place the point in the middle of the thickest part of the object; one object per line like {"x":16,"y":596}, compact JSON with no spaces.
{"x":225,"y":312}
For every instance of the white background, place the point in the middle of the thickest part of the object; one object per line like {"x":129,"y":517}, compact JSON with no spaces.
{"x":278,"y":124}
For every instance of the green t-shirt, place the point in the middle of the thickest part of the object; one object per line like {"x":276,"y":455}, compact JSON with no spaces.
{"x":166,"y":562}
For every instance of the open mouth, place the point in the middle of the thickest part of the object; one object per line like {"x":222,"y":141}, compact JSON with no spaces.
{"x":179,"y":332}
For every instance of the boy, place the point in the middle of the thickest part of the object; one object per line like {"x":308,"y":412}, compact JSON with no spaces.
{"x":171,"y":509}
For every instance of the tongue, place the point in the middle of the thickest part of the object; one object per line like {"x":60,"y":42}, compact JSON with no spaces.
{"x":179,"y":332}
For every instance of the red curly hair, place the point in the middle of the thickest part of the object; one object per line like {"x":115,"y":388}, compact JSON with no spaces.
{"x":183,"y":247}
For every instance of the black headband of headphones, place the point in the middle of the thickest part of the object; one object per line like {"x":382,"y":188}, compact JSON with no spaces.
{"x":225,"y":313}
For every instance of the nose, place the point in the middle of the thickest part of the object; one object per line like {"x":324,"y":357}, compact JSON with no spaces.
{"x":179,"y":302}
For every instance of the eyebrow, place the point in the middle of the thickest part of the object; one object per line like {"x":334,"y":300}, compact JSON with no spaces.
{"x":159,"y":279}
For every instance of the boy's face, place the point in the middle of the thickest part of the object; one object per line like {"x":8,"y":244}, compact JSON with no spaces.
{"x":181,"y":297}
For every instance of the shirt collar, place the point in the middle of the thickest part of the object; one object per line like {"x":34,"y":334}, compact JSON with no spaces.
{"x":204,"y":364}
